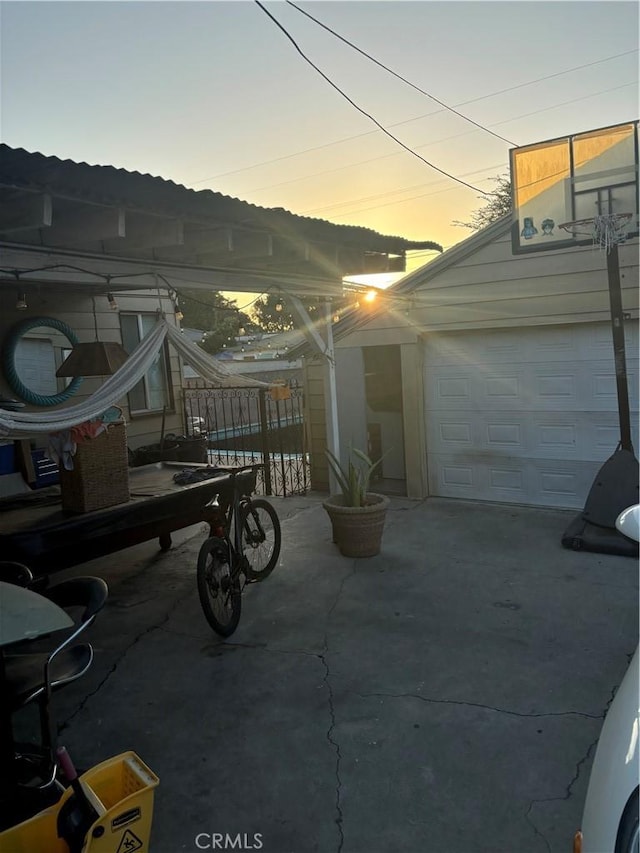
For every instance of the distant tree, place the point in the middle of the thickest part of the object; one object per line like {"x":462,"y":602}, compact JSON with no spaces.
{"x":496,"y":205}
{"x":274,"y":315}
{"x":270,"y":318}
{"x":214,"y":314}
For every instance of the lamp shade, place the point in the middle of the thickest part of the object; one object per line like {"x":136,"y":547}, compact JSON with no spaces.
{"x":96,"y":358}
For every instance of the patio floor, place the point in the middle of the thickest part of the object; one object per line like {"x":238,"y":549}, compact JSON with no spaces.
{"x":445,"y":696}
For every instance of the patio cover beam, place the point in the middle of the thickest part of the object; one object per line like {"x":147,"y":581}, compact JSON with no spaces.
{"x":84,"y":270}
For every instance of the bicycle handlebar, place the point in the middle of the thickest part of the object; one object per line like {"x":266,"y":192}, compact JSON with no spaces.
{"x":256,"y":466}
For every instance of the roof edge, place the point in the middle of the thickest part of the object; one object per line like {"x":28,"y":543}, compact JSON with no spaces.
{"x":452,"y":256}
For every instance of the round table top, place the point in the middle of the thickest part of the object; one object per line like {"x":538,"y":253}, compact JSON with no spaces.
{"x":25,"y":615}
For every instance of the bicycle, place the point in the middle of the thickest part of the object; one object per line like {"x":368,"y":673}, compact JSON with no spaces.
{"x":244,"y":548}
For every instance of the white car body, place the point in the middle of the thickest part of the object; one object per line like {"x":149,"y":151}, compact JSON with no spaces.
{"x":610,"y":817}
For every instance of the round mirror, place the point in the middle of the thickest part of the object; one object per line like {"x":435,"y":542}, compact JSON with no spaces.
{"x":33,"y":350}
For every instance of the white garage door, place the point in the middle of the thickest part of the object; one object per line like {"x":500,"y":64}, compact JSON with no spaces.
{"x":524,"y":415}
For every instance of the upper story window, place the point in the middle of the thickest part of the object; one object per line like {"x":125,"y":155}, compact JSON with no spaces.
{"x":153,"y":392}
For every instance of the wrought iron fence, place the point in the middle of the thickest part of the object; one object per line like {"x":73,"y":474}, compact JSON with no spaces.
{"x":253,"y":425}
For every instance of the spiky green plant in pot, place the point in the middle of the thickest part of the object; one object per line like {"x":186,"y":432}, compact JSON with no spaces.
{"x":357,"y":515}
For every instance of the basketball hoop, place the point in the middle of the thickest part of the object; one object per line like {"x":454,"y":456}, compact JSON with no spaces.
{"x":606,"y":230}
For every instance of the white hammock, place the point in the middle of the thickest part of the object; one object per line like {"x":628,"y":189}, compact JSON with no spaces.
{"x":21,"y":424}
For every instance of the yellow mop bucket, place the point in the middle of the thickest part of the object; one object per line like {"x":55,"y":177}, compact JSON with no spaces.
{"x":121,"y":790}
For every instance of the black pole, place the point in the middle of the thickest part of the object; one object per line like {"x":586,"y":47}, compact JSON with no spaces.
{"x":264,"y":434}
{"x":617,"y":329}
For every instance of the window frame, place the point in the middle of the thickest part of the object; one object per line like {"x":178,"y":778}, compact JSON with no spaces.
{"x":169,"y":404}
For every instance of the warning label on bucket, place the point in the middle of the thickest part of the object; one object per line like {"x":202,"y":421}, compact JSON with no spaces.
{"x":129,"y":843}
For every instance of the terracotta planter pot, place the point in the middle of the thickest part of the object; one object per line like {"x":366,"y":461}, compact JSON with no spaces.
{"x":357,"y":530}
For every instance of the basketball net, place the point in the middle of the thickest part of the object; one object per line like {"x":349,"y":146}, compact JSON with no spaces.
{"x":606,"y":230}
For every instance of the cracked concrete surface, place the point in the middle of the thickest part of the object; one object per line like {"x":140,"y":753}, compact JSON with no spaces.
{"x":443,"y":697}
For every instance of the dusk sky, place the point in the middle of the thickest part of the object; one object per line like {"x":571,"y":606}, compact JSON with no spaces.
{"x":214,"y":95}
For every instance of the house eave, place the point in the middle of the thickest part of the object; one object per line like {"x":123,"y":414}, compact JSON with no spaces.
{"x":62,"y":206}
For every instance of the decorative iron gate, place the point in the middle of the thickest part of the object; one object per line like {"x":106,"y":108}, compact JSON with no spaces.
{"x":253,"y":425}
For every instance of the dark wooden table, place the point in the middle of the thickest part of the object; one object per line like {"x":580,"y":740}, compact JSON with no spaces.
{"x":35,"y":531}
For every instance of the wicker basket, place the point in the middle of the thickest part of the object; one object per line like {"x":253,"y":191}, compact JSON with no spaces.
{"x":100,"y":475}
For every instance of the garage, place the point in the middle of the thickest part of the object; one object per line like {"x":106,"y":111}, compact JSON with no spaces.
{"x":523,"y":415}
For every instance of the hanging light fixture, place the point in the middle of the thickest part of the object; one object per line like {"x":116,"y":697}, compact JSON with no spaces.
{"x":112,"y":302}
{"x":21,"y":302}
{"x":95,"y":358}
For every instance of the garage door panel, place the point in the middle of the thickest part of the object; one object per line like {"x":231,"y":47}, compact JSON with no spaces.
{"x":549,"y":435}
{"x":533,"y":431}
{"x":603,"y":433}
{"x":566,"y":484}
{"x":562,"y":386}
{"x":583,"y":342}
{"x":539,"y":482}
{"x":559,"y":386}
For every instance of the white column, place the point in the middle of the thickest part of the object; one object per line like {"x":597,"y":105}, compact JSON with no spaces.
{"x":320,"y":336}
{"x":330,"y":395}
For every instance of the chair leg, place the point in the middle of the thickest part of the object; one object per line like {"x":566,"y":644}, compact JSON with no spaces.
{"x":47,"y":736}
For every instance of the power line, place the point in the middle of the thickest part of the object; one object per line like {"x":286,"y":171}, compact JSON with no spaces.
{"x":233,"y":308}
{"x":417,"y":118}
{"x":315,"y":210}
{"x":437,"y":141}
{"x":399,"y":76}
{"x":424,"y":195}
{"x":360,"y":110}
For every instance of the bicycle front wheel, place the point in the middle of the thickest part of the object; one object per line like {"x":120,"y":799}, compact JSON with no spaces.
{"x":220,"y":593}
{"x":261,"y":538}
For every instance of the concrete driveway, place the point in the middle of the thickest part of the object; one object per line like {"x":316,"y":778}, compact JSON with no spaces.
{"x":443,"y":697}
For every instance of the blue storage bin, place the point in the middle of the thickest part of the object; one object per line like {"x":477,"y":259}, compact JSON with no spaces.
{"x":47,"y":472}
{"x":7,"y":458}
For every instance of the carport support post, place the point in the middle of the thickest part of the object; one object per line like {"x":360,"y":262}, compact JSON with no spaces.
{"x":331,"y":395}
{"x":323,"y":345}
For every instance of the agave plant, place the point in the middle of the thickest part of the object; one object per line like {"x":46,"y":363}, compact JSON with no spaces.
{"x":354,"y":479}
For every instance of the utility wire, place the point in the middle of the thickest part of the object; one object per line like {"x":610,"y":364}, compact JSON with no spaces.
{"x":437,"y":141}
{"x":316,"y":210}
{"x":360,"y":110}
{"x":399,"y":201}
{"x":232,"y":308}
{"x":399,"y":76}
{"x":418,"y":118}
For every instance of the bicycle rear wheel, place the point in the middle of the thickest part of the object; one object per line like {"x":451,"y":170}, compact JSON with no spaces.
{"x":220,"y":593}
{"x":261,"y":538}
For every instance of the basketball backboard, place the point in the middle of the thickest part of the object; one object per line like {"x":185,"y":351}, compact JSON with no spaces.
{"x":573,"y":178}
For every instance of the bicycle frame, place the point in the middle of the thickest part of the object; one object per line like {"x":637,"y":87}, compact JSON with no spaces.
{"x":243,"y":548}
{"x":231,"y":531}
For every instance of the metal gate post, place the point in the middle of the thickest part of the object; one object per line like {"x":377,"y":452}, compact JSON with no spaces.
{"x":264,"y":434}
